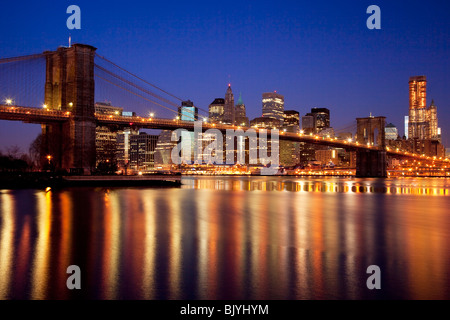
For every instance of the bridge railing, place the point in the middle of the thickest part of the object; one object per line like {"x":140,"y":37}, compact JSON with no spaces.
{"x":29,"y":111}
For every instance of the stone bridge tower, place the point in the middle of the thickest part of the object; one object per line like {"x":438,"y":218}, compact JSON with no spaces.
{"x":371,"y":162}
{"x":69,"y":86}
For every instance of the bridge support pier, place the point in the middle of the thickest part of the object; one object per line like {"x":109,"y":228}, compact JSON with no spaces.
{"x":371,"y":163}
{"x":70,"y":87}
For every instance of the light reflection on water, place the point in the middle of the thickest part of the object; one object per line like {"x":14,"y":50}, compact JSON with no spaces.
{"x":229,"y":238}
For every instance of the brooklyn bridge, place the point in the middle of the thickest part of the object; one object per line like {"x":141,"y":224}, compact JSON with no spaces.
{"x":68,"y":116}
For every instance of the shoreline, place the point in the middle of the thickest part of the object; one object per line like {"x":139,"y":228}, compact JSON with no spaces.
{"x":43,"y":181}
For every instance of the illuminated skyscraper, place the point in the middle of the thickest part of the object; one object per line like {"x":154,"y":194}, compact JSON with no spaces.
{"x":216,"y":110}
{"x":391,"y":132}
{"x":423,"y":121}
{"x":406,"y":127}
{"x":432,"y":121}
{"x":321,"y":118}
{"x":273,"y":106}
{"x":105,"y":138}
{"x":187,"y":111}
{"x":142,"y":151}
{"x":417,"y":128}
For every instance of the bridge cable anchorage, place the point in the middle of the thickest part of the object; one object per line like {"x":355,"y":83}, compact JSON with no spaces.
{"x":143,"y":80}
{"x":136,"y":94}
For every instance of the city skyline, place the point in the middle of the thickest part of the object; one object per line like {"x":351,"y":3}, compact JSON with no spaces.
{"x":296,"y":63}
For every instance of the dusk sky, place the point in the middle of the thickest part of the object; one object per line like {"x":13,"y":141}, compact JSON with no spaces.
{"x":315,"y":53}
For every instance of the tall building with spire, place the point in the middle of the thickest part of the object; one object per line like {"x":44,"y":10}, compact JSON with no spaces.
{"x":240,"y":114}
{"x":228,"y":109}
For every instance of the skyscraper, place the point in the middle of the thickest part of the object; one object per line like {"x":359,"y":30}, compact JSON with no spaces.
{"x":273,"y":106}
{"x":291,"y":121}
{"x":289,"y":150}
{"x":321,"y":118}
{"x":417,"y":107}
{"x":105,"y":138}
{"x":432,"y":121}
{"x":228,"y":108}
{"x":216,"y":110}
{"x":406,"y":127}
{"x":423,"y":121}
{"x":142,"y":151}
{"x":240,"y":114}
{"x":391,"y":132}
{"x":187,"y":111}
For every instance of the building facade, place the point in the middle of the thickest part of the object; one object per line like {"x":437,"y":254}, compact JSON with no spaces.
{"x":391,"y":132}
{"x":228,"y":108}
{"x":216,"y":110}
{"x":105,"y":138}
{"x":142,"y":151}
{"x":273,"y":106}
{"x":240,"y":113}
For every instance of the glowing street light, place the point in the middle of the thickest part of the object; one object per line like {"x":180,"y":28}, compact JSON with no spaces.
{"x":8,"y":101}
{"x":152,"y":114}
{"x":44,"y":106}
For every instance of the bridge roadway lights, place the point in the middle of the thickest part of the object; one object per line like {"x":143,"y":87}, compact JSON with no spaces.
{"x":371,"y":164}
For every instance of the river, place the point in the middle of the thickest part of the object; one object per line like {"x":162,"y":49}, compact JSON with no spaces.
{"x":230,"y":238}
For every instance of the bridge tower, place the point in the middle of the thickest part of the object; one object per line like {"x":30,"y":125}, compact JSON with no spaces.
{"x":371,"y":162}
{"x":69,"y":86}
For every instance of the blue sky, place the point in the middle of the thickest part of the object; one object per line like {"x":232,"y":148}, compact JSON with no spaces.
{"x":317,"y":54}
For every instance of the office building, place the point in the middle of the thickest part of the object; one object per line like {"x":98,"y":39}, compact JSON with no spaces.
{"x":142,"y":151}
{"x":273,"y":106}
{"x":308,"y":124}
{"x":228,"y":108}
{"x":321,"y":118}
{"x":105,"y":138}
{"x":289,"y":150}
{"x":241,"y":118}
{"x":187,"y":111}
{"x":391,"y":132}
{"x":417,"y":107}
{"x":216,"y":110}
{"x":406,"y":127}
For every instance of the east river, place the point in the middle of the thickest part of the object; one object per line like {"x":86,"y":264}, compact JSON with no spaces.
{"x":230,"y":238}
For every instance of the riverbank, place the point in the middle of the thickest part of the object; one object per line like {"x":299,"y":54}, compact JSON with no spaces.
{"x":45,"y":180}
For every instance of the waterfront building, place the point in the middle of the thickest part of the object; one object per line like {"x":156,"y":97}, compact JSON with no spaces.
{"x":105,"y":138}
{"x":142,"y":151}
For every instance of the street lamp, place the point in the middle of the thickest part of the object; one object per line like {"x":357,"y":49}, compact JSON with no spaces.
{"x":8,"y":101}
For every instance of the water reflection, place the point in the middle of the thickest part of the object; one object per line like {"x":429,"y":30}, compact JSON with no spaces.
{"x":237,"y":238}
{"x":440,"y":187}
